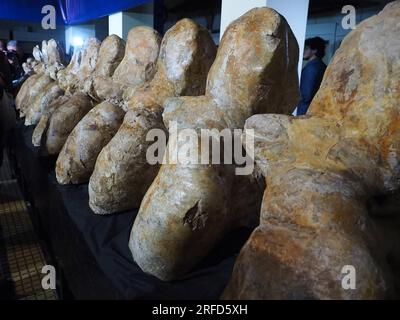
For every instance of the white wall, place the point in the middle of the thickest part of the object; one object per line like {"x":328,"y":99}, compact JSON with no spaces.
{"x":233,"y":9}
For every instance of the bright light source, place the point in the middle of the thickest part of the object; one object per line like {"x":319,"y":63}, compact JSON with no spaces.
{"x":77,"y":42}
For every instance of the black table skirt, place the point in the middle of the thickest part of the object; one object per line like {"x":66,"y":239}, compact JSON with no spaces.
{"x":91,"y":251}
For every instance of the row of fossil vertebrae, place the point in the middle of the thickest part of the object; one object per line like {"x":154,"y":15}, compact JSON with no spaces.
{"x":319,"y":169}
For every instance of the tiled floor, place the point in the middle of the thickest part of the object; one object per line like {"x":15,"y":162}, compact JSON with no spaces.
{"x":21,"y":258}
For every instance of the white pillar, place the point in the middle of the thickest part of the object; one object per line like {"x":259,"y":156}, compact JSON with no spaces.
{"x":295,"y":12}
{"x":121,"y":22}
{"x":115,"y":24}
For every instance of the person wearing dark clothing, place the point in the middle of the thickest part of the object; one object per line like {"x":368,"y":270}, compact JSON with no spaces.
{"x":15,"y":46}
{"x":313,"y":72}
{"x":5,"y":73}
{"x":15,"y":56}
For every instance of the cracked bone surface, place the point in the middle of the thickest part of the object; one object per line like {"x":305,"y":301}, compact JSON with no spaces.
{"x":76,"y":160}
{"x":122,"y":174}
{"x":320,"y":171}
{"x":51,"y":59}
{"x":188,"y":209}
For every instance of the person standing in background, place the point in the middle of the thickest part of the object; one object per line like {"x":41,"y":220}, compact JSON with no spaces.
{"x":313,"y":72}
{"x":15,"y":56}
{"x":15,"y":46}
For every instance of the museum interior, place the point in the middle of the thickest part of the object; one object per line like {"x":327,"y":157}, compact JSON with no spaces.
{"x":148,"y":150}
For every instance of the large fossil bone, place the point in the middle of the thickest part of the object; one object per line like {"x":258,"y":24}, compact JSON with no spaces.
{"x":31,"y":64}
{"x":320,"y":172}
{"x":66,"y":82}
{"x":55,"y":59}
{"x":66,"y":78}
{"x":55,"y":126}
{"x":46,"y":70}
{"x":76,"y":160}
{"x":41,"y":103}
{"x":63,"y":119}
{"x":38,"y":70}
{"x":52,"y":90}
{"x":188,"y":208}
{"x":137,"y":67}
{"x":110,"y":56}
{"x":97,"y":61}
{"x":122,"y":174}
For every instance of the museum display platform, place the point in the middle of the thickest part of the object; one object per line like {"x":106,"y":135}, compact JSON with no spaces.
{"x":90,"y":252}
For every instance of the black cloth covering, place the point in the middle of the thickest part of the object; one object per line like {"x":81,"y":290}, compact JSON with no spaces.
{"x":92,"y":251}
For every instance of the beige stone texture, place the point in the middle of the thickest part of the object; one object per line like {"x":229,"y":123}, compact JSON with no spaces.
{"x":189,"y":208}
{"x":321,"y":171}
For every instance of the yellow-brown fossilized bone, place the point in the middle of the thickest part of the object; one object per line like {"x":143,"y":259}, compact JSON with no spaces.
{"x":55,"y":125}
{"x":188,"y":208}
{"x":76,"y":161}
{"x":320,"y":171}
{"x":110,"y":56}
{"x":51,"y":90}
{"x":51,"y":62}
{"x":66,"y":80}
{"x":122,"y":174}
{"x":98,"y":60}
{"x":137,"y":67}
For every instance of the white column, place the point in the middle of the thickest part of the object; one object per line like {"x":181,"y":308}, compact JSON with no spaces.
{"x":121,"y":22}
{"x":295,"y":12}
{"x":115,"y":24}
